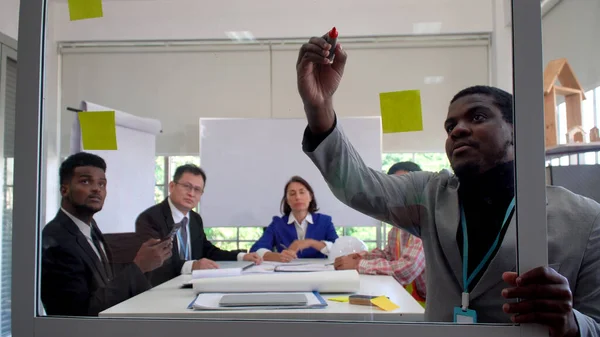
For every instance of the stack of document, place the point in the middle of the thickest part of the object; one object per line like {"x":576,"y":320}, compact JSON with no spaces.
{"x":258,"y":301}
{"x":304,"y":267}
{"x":213,"y":273}
{"x":225,"y":270}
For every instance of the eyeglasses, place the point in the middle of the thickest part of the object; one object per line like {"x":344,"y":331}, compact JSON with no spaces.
{"x":191,"y":188}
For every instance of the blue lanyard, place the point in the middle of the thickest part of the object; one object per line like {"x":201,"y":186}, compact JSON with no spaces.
{"x":468,"y":279}
{"x":183,"y":246}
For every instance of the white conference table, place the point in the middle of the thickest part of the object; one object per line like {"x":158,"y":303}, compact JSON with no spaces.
{"x":170,"y":300}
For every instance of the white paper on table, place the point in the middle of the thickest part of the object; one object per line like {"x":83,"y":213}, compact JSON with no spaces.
{"x":210,"y":301}
{"x":339,"y":281}
{"x":310,"y":267}
{"x":216,"y":273}
{"x":263,"y":268}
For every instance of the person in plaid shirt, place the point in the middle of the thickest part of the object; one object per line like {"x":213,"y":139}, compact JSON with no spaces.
{"x":403,"y":256}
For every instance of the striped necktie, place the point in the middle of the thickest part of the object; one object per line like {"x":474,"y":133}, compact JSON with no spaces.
{"x":183,"y":240}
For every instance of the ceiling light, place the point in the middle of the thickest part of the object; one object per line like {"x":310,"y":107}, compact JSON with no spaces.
{"x":434,"y":79}
{"x":427,"y":28}
{"x":240,"y":36}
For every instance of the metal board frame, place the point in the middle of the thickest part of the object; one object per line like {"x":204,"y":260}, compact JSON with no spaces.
{"x":531,"y":212}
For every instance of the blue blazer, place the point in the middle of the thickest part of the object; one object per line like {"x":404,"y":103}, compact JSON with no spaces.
{"x":280,"y":233}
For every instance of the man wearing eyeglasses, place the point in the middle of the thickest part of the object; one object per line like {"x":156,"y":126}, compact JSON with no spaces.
{"x":175,"y":216}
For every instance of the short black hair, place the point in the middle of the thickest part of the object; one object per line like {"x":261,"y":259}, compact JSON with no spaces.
{"x":189,"y":168}
{"x":503,"y":99}
{"x":407,"y":166}
{"x":312,"y":206}
{"x":67,"y":168}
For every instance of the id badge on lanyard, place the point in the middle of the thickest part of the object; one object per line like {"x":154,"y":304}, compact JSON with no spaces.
{"x":463,"y":314}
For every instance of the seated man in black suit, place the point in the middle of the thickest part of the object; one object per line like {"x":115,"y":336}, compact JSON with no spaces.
{"x":191,"y":249}
{"x":77,"y":277}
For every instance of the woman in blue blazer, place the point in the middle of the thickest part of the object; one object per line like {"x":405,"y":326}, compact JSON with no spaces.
{"x":301,"y":232}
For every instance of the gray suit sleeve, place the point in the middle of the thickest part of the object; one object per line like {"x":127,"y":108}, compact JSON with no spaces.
{"x":398,"y":200}
{"x":586,"y":299}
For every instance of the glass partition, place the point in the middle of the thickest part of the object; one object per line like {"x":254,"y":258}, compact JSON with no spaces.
{"x":8,"y":85}
{"x":198,"y":165}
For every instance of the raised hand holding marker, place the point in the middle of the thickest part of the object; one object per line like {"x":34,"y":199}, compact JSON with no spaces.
{"x":331,"y":38}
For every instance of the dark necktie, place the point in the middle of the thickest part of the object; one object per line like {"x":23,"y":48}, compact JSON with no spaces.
{"x":183,"y":236}
{"x":95,"y":234}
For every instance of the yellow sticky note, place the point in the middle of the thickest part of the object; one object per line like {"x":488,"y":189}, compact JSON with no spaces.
{"x":339,"y":299}
{"x":98,"y":130}
{"x":85,"y":9}
{"x":401,"y":111}
{"x":384,"y":303}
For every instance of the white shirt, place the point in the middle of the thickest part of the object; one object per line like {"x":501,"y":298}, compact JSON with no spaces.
{"x":177,"y":217}
{"x":86,"y":230}
{"x":301,"y":233}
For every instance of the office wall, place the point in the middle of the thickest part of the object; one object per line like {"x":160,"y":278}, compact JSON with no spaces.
{"x":189,"y":19}
{"x":501,"y":60}
{"x":572,"y":30}
{"x":9,"y":18}
{"x":179,"y":85}
{"x":192,"y":19}
{"x":52,"y":131}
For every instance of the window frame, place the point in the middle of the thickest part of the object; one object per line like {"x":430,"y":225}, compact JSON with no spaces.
{"x":6,"y":52}
{"x":579,"y":158}
{"x":531,"y":210}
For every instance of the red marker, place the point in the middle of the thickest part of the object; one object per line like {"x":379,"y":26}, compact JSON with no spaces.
{"x":331,"y":38}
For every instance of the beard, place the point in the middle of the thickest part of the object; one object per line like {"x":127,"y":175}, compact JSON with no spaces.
{"x":86,"y":209}
{"x":467,"y":169}
{"x":82,"y":208}
{"x":481,"y":165}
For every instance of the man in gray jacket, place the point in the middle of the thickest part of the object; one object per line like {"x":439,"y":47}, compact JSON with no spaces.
{"x":466,"y":215}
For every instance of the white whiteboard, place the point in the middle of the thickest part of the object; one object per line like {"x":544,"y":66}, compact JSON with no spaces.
{"x":129,"y":169}
{"x":248,"y":162}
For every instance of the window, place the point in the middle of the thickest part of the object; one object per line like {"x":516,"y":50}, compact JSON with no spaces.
{"x":433,"y":162}
{"x":164,"y":169}
{"x":176,"y":161}
{"x":198,"y":94}
{"x":232,"y":238}
{"x":597,"y":114}
{"x":161,"y":179}
{"x":8,"y":86}
{"x":590,"y":114}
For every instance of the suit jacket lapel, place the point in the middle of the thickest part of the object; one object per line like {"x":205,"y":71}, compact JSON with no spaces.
{"x":166,"y":211}
{"x":447,"y":218}
{"x":311,"y":228}
{"x":504,"y":260}
{"x":168,"y":225}
{"x":88,"y":253}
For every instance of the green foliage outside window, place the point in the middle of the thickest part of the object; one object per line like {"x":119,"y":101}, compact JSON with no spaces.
{"x":389,"y":159}
{"x":159,"y":179}
{"x":432,"y":162}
